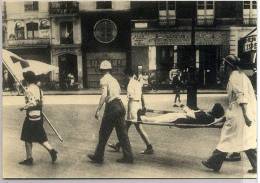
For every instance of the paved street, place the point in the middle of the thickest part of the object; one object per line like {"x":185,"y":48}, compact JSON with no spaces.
{"x":178,"y":152}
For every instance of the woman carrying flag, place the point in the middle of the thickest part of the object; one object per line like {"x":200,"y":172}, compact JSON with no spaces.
{"x":33,"y":130}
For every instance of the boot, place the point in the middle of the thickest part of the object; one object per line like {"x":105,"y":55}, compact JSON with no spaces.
{"x":27,"y":162}
{"x":53,"y":154}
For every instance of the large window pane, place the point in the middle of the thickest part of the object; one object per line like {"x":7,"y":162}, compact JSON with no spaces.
{"x":209,"y":5}
{"x":246,"y":4}
{"x":31,"y":5}
{"x":66,"y":33}
{"x":171,"y":5}
{"x":200,"y":5}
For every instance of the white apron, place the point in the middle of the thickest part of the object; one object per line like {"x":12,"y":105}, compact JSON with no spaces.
{"x":236,"y":136}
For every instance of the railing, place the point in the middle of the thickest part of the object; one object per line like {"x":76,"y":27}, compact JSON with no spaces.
{"x":228,"y":21}
{"x":64,"y":8}
{"x":28,"y":42}
{"x":249,"y":21}
{"x":205,"y":21}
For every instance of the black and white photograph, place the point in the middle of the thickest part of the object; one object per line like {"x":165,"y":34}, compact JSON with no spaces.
{"x":129,"y":89}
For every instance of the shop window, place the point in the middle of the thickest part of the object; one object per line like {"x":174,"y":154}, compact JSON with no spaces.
{"x":249,"y":12}
{"x":32,"y":30}
{"x":19,"y":30}
{"x":66,"y":33}
{"x":104,"y":5}
{"x":31,"y":6}
{"x":167,"y":12}
{"x":205,"y":12}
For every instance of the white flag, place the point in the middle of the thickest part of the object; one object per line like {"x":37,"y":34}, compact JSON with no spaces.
{"x":17,"y":65}
{"x":14,"y":64}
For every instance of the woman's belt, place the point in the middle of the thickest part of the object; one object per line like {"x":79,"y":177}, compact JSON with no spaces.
{"x":34,"y":115}
{"x":134,"y":100}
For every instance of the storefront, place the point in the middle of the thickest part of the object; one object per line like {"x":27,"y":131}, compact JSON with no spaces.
{"x":159,"y":52}
{"x":105,"y":36}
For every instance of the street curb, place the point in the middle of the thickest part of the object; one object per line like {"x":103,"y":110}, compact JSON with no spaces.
{"x":86,"y":92}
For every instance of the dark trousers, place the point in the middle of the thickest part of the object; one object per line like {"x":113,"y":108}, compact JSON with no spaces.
{"x":217,"y":158}
{"x":114,"y":117}
{"x":177,"y":96}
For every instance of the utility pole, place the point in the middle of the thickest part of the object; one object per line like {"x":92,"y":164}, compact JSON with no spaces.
{"x":192,"y":80}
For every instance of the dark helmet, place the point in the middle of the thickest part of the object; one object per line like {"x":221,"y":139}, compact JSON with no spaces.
{"x":29,"y":76}
{"x":232,"y":60}
{"x":217,"y":110}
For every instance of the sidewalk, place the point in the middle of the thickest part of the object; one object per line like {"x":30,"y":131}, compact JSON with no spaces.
{"x":97,"y":92}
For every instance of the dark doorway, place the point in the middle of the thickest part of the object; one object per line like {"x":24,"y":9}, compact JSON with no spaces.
{"x":184,"y":57}
{"x":164,"y":63}
{"x":208,"y":66}
{"x":67,"y":65}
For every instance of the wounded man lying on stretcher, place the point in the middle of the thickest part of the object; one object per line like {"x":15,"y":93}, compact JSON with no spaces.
{"x":190,"y":116}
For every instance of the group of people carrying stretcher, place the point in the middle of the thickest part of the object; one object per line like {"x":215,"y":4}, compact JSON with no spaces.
{"x":239,"y":124}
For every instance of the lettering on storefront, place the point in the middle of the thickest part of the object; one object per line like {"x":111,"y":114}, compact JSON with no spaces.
{"x":179,"y":38}
{"x":211,"y":38}
{"x":60,"y":51}
{"x":160,"y":38}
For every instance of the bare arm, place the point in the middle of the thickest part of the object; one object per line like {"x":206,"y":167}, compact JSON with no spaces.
{"x":101,"y":100}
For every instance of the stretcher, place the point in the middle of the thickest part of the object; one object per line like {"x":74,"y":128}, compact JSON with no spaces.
{"x":182,"y":123}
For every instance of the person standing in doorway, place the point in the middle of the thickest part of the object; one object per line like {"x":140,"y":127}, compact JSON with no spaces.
{"x":239,"y":131}
{"x":113,"y":117}
{"x":33,"y":130}
{"x":134,"y":94}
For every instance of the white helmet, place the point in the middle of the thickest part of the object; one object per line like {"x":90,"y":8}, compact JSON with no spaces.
{"x":105,"y":65}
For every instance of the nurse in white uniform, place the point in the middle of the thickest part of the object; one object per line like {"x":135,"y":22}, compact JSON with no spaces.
{"x":239,"y":131}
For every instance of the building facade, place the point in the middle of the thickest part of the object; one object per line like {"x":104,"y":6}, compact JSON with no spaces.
{"x":156,"y":36}
{"x":161,"y":36}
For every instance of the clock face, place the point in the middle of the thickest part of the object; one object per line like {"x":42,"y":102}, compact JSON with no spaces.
{"x":105,"y":31}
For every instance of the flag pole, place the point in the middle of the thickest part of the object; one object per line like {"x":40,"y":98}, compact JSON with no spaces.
{"x":49,"y":122}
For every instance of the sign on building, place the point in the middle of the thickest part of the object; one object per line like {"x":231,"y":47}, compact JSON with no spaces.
{"x":160,"y":38}
{"x":250,"y":43}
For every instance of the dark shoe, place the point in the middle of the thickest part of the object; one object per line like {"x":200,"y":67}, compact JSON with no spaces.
{"x":124,"y":160}
{"x":94,"y":159}
{"x":233,"y":157}
{"x":206,"y":164}
{"x":252,"y":170}
{"x":114,"y":146}
{"x":175,"y":105}
{"x":53,"y":154}
{"x":148,"y":151}
{"x":27,"y":162}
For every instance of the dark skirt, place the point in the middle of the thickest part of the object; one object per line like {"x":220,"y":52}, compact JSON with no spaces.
{"x":33,"y":131}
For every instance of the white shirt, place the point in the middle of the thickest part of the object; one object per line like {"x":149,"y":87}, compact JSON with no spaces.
{"x":32,"y":95}
{"x":134,"y":89}
{"x":113,"y":87}
{"x":141,"y":79}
